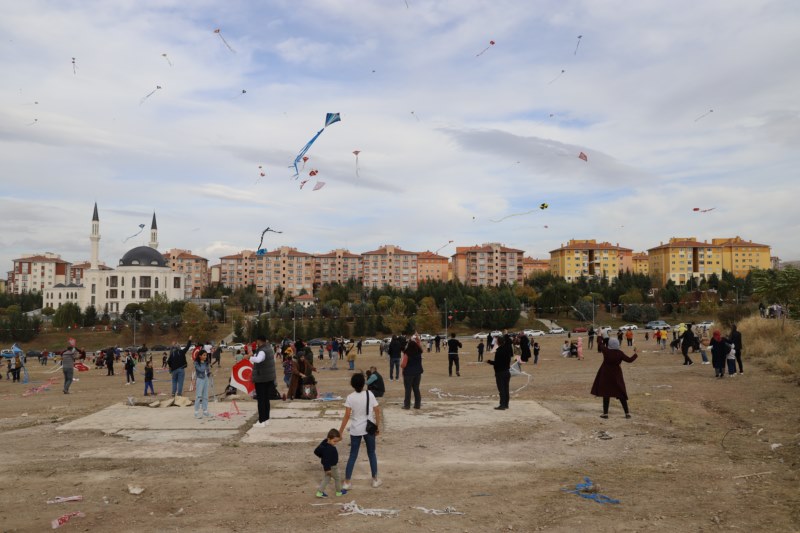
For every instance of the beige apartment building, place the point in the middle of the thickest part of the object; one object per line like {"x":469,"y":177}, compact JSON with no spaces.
{"x":640,"y":263}
{"x":432,"y":267}
{"x":284,"y":267}
{"x":390,"y":265}
{"x":534,"y":267}
{"x":37,"y":272}
{"x":193,"y":267}
{"x":337,"y":266}
{"x":683,"y":258}
{"x":588,"y":258}
{"x":740,"y":256}
{"x":490,"y":264}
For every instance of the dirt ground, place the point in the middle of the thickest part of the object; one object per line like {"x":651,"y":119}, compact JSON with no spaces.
{"x":686,"y":461}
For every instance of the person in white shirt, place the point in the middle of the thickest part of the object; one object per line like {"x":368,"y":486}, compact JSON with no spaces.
{"x":358,"y":413}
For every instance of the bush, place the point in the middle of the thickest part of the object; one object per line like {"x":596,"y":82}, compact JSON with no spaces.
{"x":765,"y":341}
{"x":639,"y":313}
{"x":732,"y":314}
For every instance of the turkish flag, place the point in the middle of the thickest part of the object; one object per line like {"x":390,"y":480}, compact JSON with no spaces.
{"x":81,"y":367}
{"x":242,"y":376}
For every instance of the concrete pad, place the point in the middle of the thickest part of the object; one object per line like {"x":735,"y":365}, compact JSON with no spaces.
{"x":167,"y":424}
{"x":434,"y":415}
{"x":116,"y":449}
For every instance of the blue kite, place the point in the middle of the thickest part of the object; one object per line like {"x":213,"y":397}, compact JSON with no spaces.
{"x":330,"y":118}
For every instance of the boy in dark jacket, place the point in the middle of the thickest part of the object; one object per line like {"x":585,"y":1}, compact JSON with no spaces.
{"x":329,"y":456}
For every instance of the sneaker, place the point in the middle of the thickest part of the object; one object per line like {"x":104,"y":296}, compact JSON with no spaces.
{"x":604,"y":416}
{"x":376,"y":483}
{"x":346,"y":485}
{"x":690,"y":363}
{"x":259,"y":425}
{"x":741,"y":372}
{"x":341,"y":492}
{"x":321,"y":494}
{"x":706,"y":363}
{"x":627,"y":415}
{"x":207,"y":414}
{"x":458,"y":374}
{"x":197,"y":415}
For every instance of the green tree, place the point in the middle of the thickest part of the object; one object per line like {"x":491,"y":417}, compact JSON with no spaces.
{"x":67,"y":315}
{"x":427,"y":317}
{"x":396,"y":319}
{"x":90,"y":316}
{"x":196,"y":323}
{"x":778,"y":286}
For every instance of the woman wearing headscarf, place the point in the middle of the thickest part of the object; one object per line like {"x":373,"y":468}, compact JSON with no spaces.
{"x":609,"y":381}
{"x":719,"y":352}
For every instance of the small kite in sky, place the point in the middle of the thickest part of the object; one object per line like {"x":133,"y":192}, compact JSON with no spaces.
{"x":260,"y":250}
{"x":141,"y":229}
{"x":704,"y":115}
{"x":543,"y":206}
{"x":583,"y":156}
{"x":219,"y":34}
{"x":355,"y":153}
{"x":303,"y":183}
{"x":697,"y":209}
{"x":443,"y":246}
{"x":577,"y":45}
{"x":74,"y":67}
{"x":313,"y":172}
{"x":319,"y":185}
{"x":305,"y":158}
{"x":148,"y":95}
{"x":491,"y":43}
{"x":415,"y":116}
{"x":546,"y":227}
{"x":261,"y":173}
{"x":244,"y":92}
{"x":330,"y":118}
{"x":559,"y":75}
{"x":36,"y":120}
{"x":167,"y":58}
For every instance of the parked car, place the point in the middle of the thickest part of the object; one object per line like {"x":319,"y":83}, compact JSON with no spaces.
{"x":371,"y":341}
{"x":602,"y":330}
{"x":626,"y":327}
{"x":706,"y":324}
{"x":497,"y":333}
{"x":317,"y":342}
{"x":236,"y":347}
{"x":657,"y":324}
{"x":7,"y":352}
{"x":580,"y":329}
{"x":159,"y":348}
{"x":533,"y":332}
{"x":425,"y":337}
{"x":33,"y":353}
{"x":556,"y":331}
{"x":481,"y":335}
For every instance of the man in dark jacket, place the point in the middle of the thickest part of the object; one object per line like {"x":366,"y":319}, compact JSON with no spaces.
{"x":395,"y":353}
{"x":736,"y":339}
{"x":263,"y":378}
{"x":68,"y":365}
{"x":177,"y":366}
{"x":687,"y":341}
{"x":502,"y":374}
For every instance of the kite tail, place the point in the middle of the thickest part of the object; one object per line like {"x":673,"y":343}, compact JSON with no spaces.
{"x":303,"y":152}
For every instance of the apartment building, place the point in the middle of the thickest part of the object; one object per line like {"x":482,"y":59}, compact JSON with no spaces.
{"x":640,"y":263}
{"x":432,"y":267}
{"x":193,"y":267}
{"x":684,"y":258}
{"x":37,"y":272}
{"x":78,"y":271}
{"x":534,"y":267}
{"x":337,"y":266}
{"x":390,"y":265}
{"x":740,"y":256}
{"x":284,"y":267}
{"x":490,"y":264}
{"x":589,"y":258}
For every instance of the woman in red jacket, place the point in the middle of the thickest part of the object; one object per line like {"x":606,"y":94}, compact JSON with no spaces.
{"x":609,"y":381}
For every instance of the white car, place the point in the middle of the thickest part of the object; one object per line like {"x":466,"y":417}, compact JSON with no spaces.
{"x":236,"y":347}
{"x":533,"y":333}
{"x":497,"y":333}
{"x":556,"y":331}
{"x":706,"y":324}
{"x":626,"y":327}
{"x":425,"y":337}
{"x":371,"y":341}
{"x":480,"y":335}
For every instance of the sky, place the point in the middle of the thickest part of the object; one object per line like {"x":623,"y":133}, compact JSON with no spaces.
{"x":453,"y":137}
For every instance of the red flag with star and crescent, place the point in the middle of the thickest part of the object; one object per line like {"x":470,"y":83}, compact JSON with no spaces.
{"x":242,"y":376}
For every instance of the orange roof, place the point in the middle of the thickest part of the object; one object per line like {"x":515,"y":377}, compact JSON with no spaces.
{"x":582,"y":245}
{"x":383,"y":251}
{"x":40,"y":259}
{"x":427,"y":254}
{"x":346,"y":254}
{"x":183,"y":255}
{"x":684,"y":244}
{"x":738,"y":241}
{"x":304,"y":297}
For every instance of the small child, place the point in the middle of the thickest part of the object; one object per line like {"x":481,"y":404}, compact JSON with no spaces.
{"x":288,"y":365}
{"x":536,"y":349}
{"x":329,"y":456}
{"x":164,"y":361}
{"x":148,"y":377}
{"x":731,"y":360}
{"x":203,"y":374}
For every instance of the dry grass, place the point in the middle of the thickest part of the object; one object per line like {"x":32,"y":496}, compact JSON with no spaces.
{"x":777,"y":350}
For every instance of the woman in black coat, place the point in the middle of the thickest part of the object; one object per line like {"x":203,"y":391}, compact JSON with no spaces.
{"x":609,"y":381}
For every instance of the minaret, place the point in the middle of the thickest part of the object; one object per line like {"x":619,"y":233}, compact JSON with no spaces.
{"x":95,"y":238}
{"x":154,"y":233}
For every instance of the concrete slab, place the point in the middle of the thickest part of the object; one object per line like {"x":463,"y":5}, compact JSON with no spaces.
{"x":156,"y":450}
{"x":434,"y":414}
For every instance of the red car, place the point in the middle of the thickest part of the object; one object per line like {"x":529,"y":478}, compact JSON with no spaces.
{"x":579,"y":329}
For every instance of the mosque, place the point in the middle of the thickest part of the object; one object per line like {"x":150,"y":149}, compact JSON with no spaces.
{"x":141,"y":274}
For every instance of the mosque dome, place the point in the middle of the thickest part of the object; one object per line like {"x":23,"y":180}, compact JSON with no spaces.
{"x":143,"y":256}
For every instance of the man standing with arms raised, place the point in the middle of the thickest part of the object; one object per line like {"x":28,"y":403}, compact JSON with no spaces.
{"x":263,"y":378}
